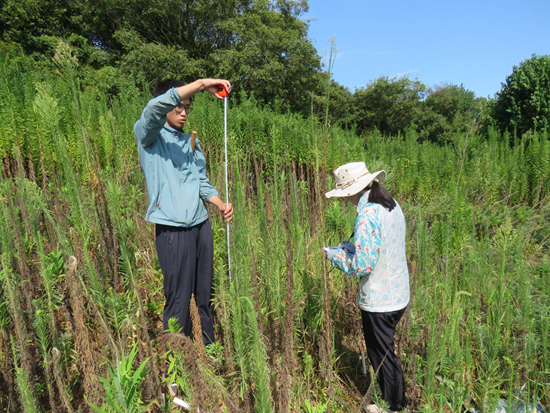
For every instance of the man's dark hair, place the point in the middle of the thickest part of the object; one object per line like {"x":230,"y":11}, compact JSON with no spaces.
{"x":162,"y":87}
{"x":380,"y":195}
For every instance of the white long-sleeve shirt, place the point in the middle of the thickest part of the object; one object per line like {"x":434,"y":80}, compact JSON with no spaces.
{"x":380,"y":257}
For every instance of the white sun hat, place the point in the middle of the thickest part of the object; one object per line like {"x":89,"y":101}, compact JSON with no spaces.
{"x":352,"y":178}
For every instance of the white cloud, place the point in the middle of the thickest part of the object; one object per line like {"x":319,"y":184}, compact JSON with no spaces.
{"x":407,"y":73}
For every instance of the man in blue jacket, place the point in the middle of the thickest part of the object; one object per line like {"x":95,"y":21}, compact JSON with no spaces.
{"x":178,"y":191}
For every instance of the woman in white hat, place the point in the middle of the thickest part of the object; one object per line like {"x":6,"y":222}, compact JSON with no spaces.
{"x":378,"y":256}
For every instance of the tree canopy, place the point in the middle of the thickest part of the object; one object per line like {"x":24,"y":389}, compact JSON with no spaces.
{"x":26,"y":22}
{"x":261,"y":45}
{"x":388,"y":104}
{"x":393,"y":105}
{"x":523,"y":102}
{"x":448,"y":109}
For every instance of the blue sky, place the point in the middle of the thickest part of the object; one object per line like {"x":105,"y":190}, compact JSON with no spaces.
{"x":474,"y":43}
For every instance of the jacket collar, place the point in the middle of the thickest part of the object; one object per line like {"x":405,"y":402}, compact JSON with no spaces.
{"x":363,"y":201}
{"x":172,"y":130}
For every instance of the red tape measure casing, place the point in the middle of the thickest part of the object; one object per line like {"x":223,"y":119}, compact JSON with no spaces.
{"x":222,"y":92}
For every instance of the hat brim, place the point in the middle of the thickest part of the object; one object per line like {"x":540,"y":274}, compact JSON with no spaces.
{"x":379,"y":176}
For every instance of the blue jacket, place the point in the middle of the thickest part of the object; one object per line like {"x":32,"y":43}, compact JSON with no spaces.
{"x":380,"y":257}
{"x":176,"y":177}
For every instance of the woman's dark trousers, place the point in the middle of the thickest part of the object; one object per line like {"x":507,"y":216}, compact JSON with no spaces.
{"x":379,"y":330}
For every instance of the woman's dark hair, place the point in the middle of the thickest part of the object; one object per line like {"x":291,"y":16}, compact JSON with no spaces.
{"x":162,"y":87}
{"x":380,"y":195}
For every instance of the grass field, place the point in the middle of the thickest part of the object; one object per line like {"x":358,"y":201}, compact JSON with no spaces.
{"x":81,"y":290}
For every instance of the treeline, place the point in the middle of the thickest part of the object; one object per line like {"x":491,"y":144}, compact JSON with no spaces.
{"x":263,"y":47}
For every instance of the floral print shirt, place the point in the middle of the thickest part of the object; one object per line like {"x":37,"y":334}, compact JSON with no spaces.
{"x":380,"y":257}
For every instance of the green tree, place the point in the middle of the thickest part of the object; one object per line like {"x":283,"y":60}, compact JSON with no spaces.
{"x":341,"y":108}
{"x":388,"y":104}
{"x":447,"y":109}
{"x":523,"y":102}
{"x":29,"y":22}
{"x":149,"y":62}
{"x":193,"y":25}
{"x":270,"y":55}
{"x":261,"y":45}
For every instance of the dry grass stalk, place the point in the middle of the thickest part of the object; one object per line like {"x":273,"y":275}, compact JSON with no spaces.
{"x":22,"y":263}
{"x":42,"y":164}
{"x":184,"y":348}
{"x":7,"y":383}
{"x":22,"y":338}
{"x":197,"y":329}
{"x":109,"y":239}
{"x":126,"y":334}
{"x":107,"y":338}
{"x":86,"y":361}
{"x":288,"y":359}
{"x":64,"y":396}
{"x":148,"y":386}
{"x":254,"y":278}
{"x":145,"y":332}
{"x":49,"y":384}
{"x":22,"y":175}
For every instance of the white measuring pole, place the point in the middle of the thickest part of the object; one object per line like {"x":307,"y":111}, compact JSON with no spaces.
{"x":226,"y":183}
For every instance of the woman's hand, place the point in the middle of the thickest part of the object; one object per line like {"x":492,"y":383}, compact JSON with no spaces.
{"x":330,"y":251}
{"x":347,"y":246}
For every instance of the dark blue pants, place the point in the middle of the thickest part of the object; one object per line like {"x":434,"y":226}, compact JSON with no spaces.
{"x":186,"y":260}
{"x":379,"y":330}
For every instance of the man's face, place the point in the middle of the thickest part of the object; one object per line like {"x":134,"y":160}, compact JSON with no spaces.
{"x":177,"y":118}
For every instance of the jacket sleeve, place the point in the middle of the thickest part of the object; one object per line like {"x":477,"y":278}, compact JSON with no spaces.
{"x":367,"y":247}
{"x":206,"y":190}
{"x":153,"y":117}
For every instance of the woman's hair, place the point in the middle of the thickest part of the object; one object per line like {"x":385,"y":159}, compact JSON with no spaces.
{"x":162,"y":87}
{"x":380,"y":195}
